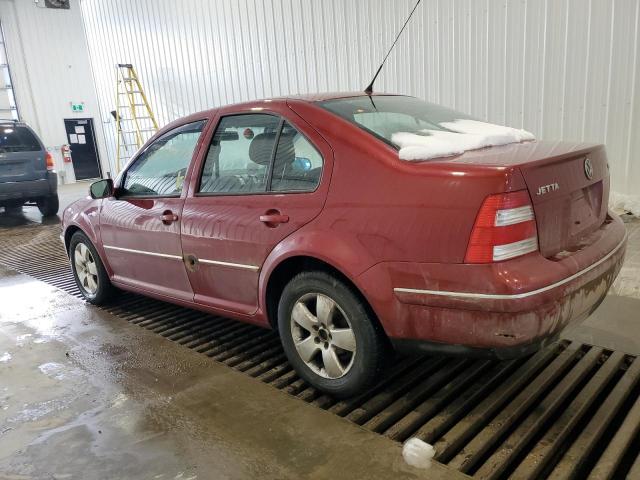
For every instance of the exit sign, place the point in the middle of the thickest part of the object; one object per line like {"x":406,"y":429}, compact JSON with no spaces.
{"x":77,"y":107}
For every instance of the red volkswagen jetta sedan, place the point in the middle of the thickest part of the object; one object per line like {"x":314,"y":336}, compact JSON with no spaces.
{"x":304,"y":214}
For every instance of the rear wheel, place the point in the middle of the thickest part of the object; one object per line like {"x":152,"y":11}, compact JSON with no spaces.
{"x":88,"y":270}
{"x":48,"y":205}
{"x":329,"y":335}
{"x":14,"y":208}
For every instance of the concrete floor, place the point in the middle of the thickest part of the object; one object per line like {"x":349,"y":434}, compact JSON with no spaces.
{"x":87,"y":395}
{"x":31,"y":215}
{"x":616,"y":323}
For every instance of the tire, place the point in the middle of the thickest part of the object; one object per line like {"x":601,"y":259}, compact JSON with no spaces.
{"x":93,"y":283}
{"x":343,"y":365}
{"x":13,"y":208}
{"x":49,"y":205}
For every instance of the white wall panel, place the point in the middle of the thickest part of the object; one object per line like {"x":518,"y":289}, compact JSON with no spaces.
{"x":50,"y":67}
{"x":560,"y":68}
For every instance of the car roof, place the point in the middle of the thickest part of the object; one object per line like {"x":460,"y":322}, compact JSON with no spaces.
{"x":321,"y":97}
{"x":306,"y":97}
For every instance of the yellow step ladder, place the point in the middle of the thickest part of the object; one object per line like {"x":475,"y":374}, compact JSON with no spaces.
{"x":135,"y":122}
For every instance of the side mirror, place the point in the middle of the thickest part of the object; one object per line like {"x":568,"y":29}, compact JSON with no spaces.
{"x":302,"y":163}
{"x":101,"y":189}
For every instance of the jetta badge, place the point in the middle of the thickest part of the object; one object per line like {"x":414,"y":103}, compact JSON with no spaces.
{"x":588,"y":168}
{"x":552,"y":187}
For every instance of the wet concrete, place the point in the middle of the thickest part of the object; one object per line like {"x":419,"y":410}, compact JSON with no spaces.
{"x":615,"y":325}
{"x":628,"y":282}
{"x":89,"y":396}
{"x":616,"y":322}
{"x":30,"y":214}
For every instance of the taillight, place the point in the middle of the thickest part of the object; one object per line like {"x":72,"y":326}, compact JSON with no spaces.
{"x":49,"y":160}
{"x":505,"y":228}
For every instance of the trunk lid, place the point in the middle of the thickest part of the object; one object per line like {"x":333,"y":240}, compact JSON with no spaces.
{"x":570,"y":193}
{"x":568,"y":205}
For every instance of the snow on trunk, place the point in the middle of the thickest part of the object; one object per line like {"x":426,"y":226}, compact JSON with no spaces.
{"x":463,"y":135}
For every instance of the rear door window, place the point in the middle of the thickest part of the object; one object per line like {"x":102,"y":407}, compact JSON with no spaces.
{"x":297,"y":165}
{"x":240,"y":154}
{"x":256,"y":153}
{"x":18,"y":139}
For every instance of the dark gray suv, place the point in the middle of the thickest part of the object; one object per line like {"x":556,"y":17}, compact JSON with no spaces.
{"x":26,"y":171}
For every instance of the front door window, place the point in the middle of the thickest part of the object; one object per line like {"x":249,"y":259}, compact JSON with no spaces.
{"x":161,"y":168}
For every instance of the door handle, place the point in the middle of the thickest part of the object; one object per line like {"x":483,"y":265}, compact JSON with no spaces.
{"x":272,"y":218}
{"x":168,"y":217}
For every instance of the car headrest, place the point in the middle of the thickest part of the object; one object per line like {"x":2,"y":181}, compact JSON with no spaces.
{"x":261,"y":148}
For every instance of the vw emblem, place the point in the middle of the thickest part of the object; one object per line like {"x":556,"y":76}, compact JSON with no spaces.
{"x":588,"y":168}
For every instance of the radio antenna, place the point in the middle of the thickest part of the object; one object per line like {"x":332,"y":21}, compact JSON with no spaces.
{"x":369,"y":89}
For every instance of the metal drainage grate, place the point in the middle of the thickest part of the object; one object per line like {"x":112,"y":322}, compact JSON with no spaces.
{"x":569,"y":411}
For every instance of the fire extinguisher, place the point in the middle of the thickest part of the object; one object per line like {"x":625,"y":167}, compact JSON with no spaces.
{"x":66,"y":153}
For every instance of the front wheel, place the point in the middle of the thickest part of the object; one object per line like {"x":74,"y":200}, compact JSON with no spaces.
{"x":328,"y":334}
{"x":89,"y":272}
{"x":48,"y":205}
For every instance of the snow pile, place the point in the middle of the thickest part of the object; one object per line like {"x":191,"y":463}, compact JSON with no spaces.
{"x":495,"y":133}
{"x":621,"y":203}
{"x":418,"y":453}
{"x":464,"y":135}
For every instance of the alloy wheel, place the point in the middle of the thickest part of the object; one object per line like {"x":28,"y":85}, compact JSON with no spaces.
{"x":86,"y":269}
{"x":322,"y":335}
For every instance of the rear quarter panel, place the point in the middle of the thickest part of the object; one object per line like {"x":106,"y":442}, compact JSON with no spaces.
{"x":397,"y":210}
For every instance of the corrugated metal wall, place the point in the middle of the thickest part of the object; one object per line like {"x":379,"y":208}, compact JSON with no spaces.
{"x":559,"y":68}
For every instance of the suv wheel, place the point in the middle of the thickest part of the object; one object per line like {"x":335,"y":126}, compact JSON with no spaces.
{"x":13,"y":208}
{"x":328,"y":334}
{"x":49,"y":205}
{"x":88,"y":270}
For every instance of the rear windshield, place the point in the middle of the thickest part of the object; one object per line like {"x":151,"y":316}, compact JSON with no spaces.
{"x":384,"y":115}
{"x":17,"y":139}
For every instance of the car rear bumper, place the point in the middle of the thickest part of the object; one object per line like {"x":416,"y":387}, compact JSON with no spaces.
{"x":506,"y":309}
{"x":29,"y":189}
